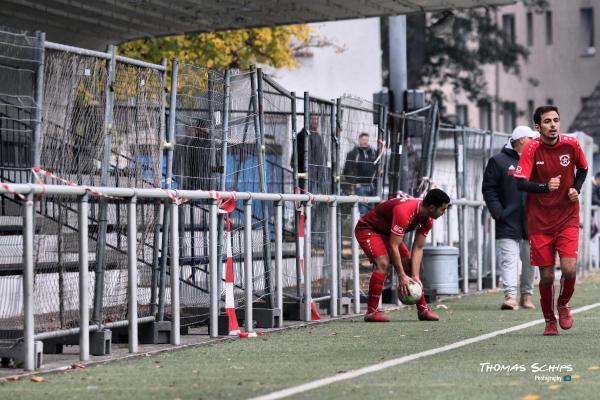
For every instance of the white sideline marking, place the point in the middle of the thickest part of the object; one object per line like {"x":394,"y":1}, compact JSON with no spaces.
{"x":402,"y":360}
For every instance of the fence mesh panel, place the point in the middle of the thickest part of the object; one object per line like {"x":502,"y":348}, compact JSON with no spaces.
{"x":357,"y":171}
{"x":19,"y":60}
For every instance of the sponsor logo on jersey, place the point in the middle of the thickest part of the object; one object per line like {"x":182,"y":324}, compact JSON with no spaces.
{"x":565,"y":160}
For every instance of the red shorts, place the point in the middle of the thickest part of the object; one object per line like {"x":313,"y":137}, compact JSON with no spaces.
{"x":545,"y":246}
{"x":375,"y":244}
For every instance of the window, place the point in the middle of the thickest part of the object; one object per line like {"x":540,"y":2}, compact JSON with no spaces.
{"x":462,"y":114}
{"x":550,"y":101}
{"x":587,"y":31}
{"x":549,"y":27}
{"x":530,"y":110}
{"x":510,"y":116}
{"x":529,"y":29}
{"x":485,"y":115}
{"x":508,"y":26}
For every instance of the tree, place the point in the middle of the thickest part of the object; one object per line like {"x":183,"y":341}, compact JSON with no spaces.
{"x":457,"y":46}
{"x":274,"y":46}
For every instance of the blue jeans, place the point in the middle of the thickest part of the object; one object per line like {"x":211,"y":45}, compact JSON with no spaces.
{"x":367,"y":190}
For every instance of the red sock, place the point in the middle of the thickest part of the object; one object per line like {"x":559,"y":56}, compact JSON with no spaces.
{"x":422,"y":305}
{"x":375,"y":289}
{"x":567,"y":288}
{"x":547,"y":302}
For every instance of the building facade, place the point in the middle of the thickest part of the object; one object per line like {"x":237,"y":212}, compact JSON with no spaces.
{"x":562,"y":68}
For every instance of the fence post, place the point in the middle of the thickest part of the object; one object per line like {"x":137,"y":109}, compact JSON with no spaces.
{"x":102,"y":203}
{"x":279,"y":258}
{"x":175,"y":334}
{"x":355,"y":260}
{"x":84,"y":300}
{"x":382,"y":144}
{"x":478,"y":231}
{"x":170,"y":147}
{"x":337,"y":128}
{"x":464,"y":249}
{"x":132,"y":284}
{"x":156,"y":242}
{"x":257,"y":86}
{"x":223,"y":171}
{"x":493,"y":250}
{"x":307,"y":261}
{"x":248,"y":267}
{"x":213,"y":269}
{"x":39,"y":99}
{"x":334,"y":258}
{"x":295,"y":164}
{"x":28,"y":272}
{"x":307,"y":133}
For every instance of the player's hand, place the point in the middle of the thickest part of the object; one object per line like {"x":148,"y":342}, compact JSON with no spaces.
{"x":573,"y":195}
{"x":554,"y":183}
{"x":404,"y":283}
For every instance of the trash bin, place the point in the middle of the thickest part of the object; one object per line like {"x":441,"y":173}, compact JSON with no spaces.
{"x":440,"y":269}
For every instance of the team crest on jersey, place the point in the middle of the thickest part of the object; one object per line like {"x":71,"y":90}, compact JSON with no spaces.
{"x":398,"y":230}
{"x":565,"y":159}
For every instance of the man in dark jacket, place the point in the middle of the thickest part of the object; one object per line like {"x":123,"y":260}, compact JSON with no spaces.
{"x":507,"y":206}
{"x":359,"y":171}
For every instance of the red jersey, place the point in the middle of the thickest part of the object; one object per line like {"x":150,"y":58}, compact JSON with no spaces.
{"x":397,"y":216}
{"x":550,"y":212}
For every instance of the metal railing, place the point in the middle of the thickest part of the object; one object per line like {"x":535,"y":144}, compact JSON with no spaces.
{"x":131,"y":196}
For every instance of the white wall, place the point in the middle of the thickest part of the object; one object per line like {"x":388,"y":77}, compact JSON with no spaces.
{"x":329,"y":74}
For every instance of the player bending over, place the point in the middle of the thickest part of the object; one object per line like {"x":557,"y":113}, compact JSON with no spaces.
{"x":380,"y":233}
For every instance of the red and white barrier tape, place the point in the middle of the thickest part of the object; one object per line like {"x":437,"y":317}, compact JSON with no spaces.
{"x":37,"y":171}
{"x":315,"y":316}
{"x":227,"y":207}
{"x":23,"y":198}
{"x":234,"y":328}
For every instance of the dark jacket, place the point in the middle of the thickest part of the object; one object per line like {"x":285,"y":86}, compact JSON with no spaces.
{"x":359,"y":166}
{"x":505,"y":202}
{"x":595,"y":195}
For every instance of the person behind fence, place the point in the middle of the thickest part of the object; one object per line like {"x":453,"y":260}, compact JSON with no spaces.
{"x":546,"y":170}
{"x":380,"y":233}
{"x":359,"y":171}
{"x":191,"y":163}
{"x":507,"y":206}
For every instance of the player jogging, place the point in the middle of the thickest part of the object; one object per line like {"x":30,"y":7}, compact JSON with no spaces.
{"x":380,"y":233}
{"x":547,"y":171}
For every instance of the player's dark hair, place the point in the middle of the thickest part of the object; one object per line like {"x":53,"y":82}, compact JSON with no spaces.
{"x":537,"y":115}
{"x":363,"y":134}
{"x":436,"y":197}
{"x":597,"y":175}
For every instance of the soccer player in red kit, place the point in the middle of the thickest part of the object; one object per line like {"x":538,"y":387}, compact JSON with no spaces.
{"x":380,"y":233}
{"x":547,"y":171}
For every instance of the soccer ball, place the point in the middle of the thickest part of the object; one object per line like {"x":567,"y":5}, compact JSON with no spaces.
{"x":415,"y":294}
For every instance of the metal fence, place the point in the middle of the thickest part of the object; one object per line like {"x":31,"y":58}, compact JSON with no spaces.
{"x":154,"y":171}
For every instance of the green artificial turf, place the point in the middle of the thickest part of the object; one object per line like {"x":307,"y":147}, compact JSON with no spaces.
{"x":246,"y":368}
